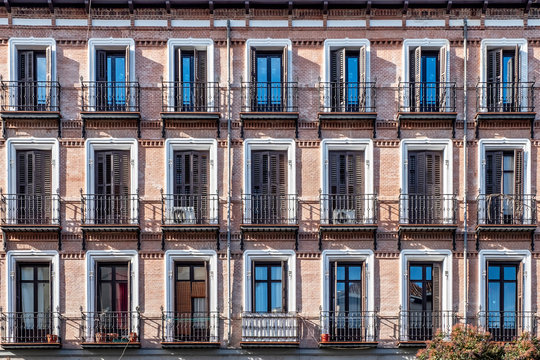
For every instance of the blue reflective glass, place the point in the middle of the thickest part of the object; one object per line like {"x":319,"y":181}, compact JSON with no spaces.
{"x":261,"y":273}
{"x":494,"y":301}
{"x":507,"y":77}
{"x":340,"y":297}
{"x":187,"y":78}
{"x":275,"y":272}
{"x":510,"y":273}
{"x":261,"y":297}
{"x":340,"y":273}
{"x":116,"y":76}
{"x":355,"y":273}
{"x":494,"y":273}
{"x":509,"y":296}
{"x":428,"y":91}
{"x":352,"y":68}
{"x":277,"y":296}
{"x":429,"y":270}
{"x":41,"y":77}
{"x":415,"y":273}
{"x":355,"y":298}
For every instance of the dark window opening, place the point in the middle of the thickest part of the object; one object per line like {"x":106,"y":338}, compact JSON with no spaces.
{"x":112,"y":77}
{"x":424,"y":294}
{"x":346,"y":197}
{"x":33,"y":75}
{"x":425,"y":201}
{"x":191,"y":78}
{"x":503,"y":294}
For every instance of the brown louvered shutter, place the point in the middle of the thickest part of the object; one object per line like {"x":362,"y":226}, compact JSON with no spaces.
{"x":25,"y":163}
{"x":127,"y":62}
{"x":494,"y":167}
{"x":253,"y":64}
{"x":284,"y":286}
{"x":417,"y":76}
{"x":183,"y":297}
{"x":494,"y":78}
{"x":26,"y":80}
{"x":433,"y":183}
{"x":519,"y":200}
{"x":519,"y":290}
{"x":364,"y":290}
{"x":101,"y":65}
{"x":362,"y":76}
{"x":516,"y":81}
{"x":437,"y":296}
{"x":334,"y":167}
{"x":201,"y":79}
{"x":443,"y":78}
{"x":256,"y":172}
{"x":412,"y":187}
{"x":48,"y":57}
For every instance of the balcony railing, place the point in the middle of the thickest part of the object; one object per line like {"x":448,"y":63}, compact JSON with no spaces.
{"x":349,"y":209}
{"x":264,"y":209}
{"x":189,"y":327}
{"x":423,"y":325}
{"x":30,"y":328}
{"x":270,"y":97}
{"x":35,"y":209}
{"x":270,"y":327}
{"x":350,"y":326}
{"x":100,"y":209}
{"x":186,"y":96}
{"x":507,"y":326}
{"x":427,"y":209}
{"x":506,"y":209}
{"x":189,"y":209}
{"x":427,"y":97}
{"x":505,"y":97}
{"x":347,"y":96}
{"x":30,"y":95}
{"x":110,"y":327}
{"x":110,"y":96}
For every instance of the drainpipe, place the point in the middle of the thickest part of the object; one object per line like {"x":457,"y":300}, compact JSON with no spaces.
{"x":465,"y":168}
{"x":229,"y":177}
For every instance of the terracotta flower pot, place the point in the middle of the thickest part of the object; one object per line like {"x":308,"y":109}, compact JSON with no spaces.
{"x":132,"y":337}
{"x":325,"y":337}
{"x":52,"y":339}
{"x":100,"y":337}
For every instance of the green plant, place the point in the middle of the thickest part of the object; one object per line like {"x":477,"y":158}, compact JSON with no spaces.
{"x":526,"y":347}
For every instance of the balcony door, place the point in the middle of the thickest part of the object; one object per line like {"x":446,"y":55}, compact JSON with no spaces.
{"x":268,"y":74}
{"x":112,"y":76}
{"x":33,"y":200}
{"x":269,"y":287}
{"x":427,"y":78}
{"x":504,"y":300}
{"x":113,"y":299}
{"x":347,"y":195}
{"x":347,"y":300}
{"x":32,"y":86}
{"x":191,"y":80}
{"x":112,"y":199}
{"x":33,"y":320}
{"x":347,"y":78}
{"x":503,"y":89}
{"x":504,"y":199}
{"x":269,"y":200}
{"x":425,"y":201}
{"x":424,"y":294}
{"x":190,"y":198}
{"x":191,"y":293}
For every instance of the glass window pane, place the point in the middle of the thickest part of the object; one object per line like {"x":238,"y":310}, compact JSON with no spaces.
{"x":494,"y":273}
{"x":277,"y":295}
{"x":27,"y":297}
{"x":43,"y":273}
{"x":261,"y":297}
{"x":275,"y":69}
{"x":429,"y":270}
{"x":508,"y":183}
{"x":186,"y":69}
{"x":199,"y":273}
{"x":183,"y":273}
{"x":44,"y":297}
{"x":276,"y":272}
{"x":105,"y":297}
{"x":121,"y":273}
{"x":120,"y":69}
{"x":200,"y":318}
{"x":262,"y":69}
{"x":105,"y":272}
{"x":340,"y":297}
{"x":355,"y":273}
{"x":510,"y":273}
{"x":27,"y":273}
{"x":355,"y":298}
{"x":508,"y":162}
{"x":494,"y":291}
{"x":352,"y":69}
{"x":122,"y":297}
{"x":415,"y":272}
{"x":415,"y":295}
{"x":510,"y":297}
{"x":340,"y":273}
{"x":261,"y":273}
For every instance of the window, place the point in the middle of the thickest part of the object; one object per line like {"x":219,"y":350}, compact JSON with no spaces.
{"x":503,"y":70}
{"x":346,"y":197}
{"x":348,"y":79}
{"x":269,"y":294}
{"x":427,"y":78}
{"x":191,"y":77}
{"x":424,"y":293}
{"x":112,"y":75}
{"x":268,"y":73}
{"x":425,"y":201}
{"x":33,"y":199}
{"x":112,"y":187}
{"x":503,"y":299}
{"x":34,"y":312}
{"x":33,"y":75}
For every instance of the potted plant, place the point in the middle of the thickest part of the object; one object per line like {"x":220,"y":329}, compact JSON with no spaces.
{"x":100,"y":337}
{"x":52,"y":338}
{"x":132,"y":337}
{"x":325,"y":338}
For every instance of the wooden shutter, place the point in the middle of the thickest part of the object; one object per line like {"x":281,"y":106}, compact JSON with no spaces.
{"x":101,"y":65}
{"x":364,"y":290}
{"x":442,"y":78}
{"x":362,"y":76}
{"x":519,"y":290}
{"x":494,"y":65}
{"x":26,"y":66}
{"x":200,"y":79}
{"x":183,"y":296}
{"x":516,"y":81}
{"x":25,"y":172}
{"x":433,"y":173}
{"x":417,"y":172}
{"x":257,"y":181}
{"x":518,"y":172}
{"x":113,"y":172}
{"x":284,"y":286}
{"x":48,"y":56}
{"x":516,"y":64}
{"x":437,"y":281}
{"x":253,"y":65}
{"x":285,"y":66}
{"x":417,"y":76}
{"x":129,"y":285}
{"x":337,"y":79}
{"x":494,"y":172}
{"x":127,"y":62}
{"x":178,"y":68}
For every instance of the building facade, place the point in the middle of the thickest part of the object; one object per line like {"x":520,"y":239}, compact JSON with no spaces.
{"x":224,"y":178}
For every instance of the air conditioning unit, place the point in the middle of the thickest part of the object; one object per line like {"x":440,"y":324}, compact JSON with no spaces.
{"x":344,"y":216}
{"x":184,"y":215}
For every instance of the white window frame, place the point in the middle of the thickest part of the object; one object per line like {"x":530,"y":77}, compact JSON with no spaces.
{"x":103,"y":256}
{"x":346,"y":144}
{"x":251,"y":256}
{"x":29,"y":256}
{"x":366,"y":256}
{"x":210,"y":145}
{"x":190,"y":44}
{"x":96,"y":144}
{"x":288,"y":145}
{"x":427,"y":255}
{"x":19,"y":144}
{"x":428,"y":44}
{"x":505,"y":144}
{"x":523,"y":256}
{"x":487,"y":44}
{"x":95,"y":44}
{"x":269,"y":44}
{"x":208,"y":256}
{"x":444,"y":145}
{"x":30,"y":43}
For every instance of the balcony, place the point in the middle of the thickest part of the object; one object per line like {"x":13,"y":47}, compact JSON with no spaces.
{"x":416,"y":326}
{"x":190,"y":213}
{"x":427,"y":104}
{"x":110,"y":329}
{"x":349,"y":329}
{"x":192,"y":102}
{"x":350,"y":212}
{"x":30,"y":100}
{"x":347,"y":103}
{"x":505,"y":104}
{"x":506,"y":326}
{"x":30,"y":330}
{"x":507,"y":211}
{"x":110,"y":101}
{"x":110,"y":213}
{"x":269,"y":330}
{"x":274,"y":102}
{"x":189,"y":330}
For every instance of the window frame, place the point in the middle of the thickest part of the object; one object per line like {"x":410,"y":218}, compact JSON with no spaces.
{"x":283,"y":282}
{"x":37,"y":44}
{"x":113,"y":281}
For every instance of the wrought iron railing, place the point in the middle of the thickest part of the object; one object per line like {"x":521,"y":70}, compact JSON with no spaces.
{"x":347,"y":96}
{"x":110,"y":327}
{"x":33,"y":209}
{"x":505,"y":96}
{"x":348,"y":209}
{"x":345,"y":326}
{"x":30,"y":327}
{"x":101,"y":209}
{"x":188,"y":96}
{"x":506,"y":209}
{"x":110,"y":96}
{"x":427,"y":96}
{"x":189,"y":327}
{"x":417,"y":325}
{"x":269,"y":327}
{"x":29,"y":95}
{"x":507,"y":325}
{"x":189,"y":209}
{"x":427,"y":209}
{"x":270,"y":209}
{"x":270,"y":96}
